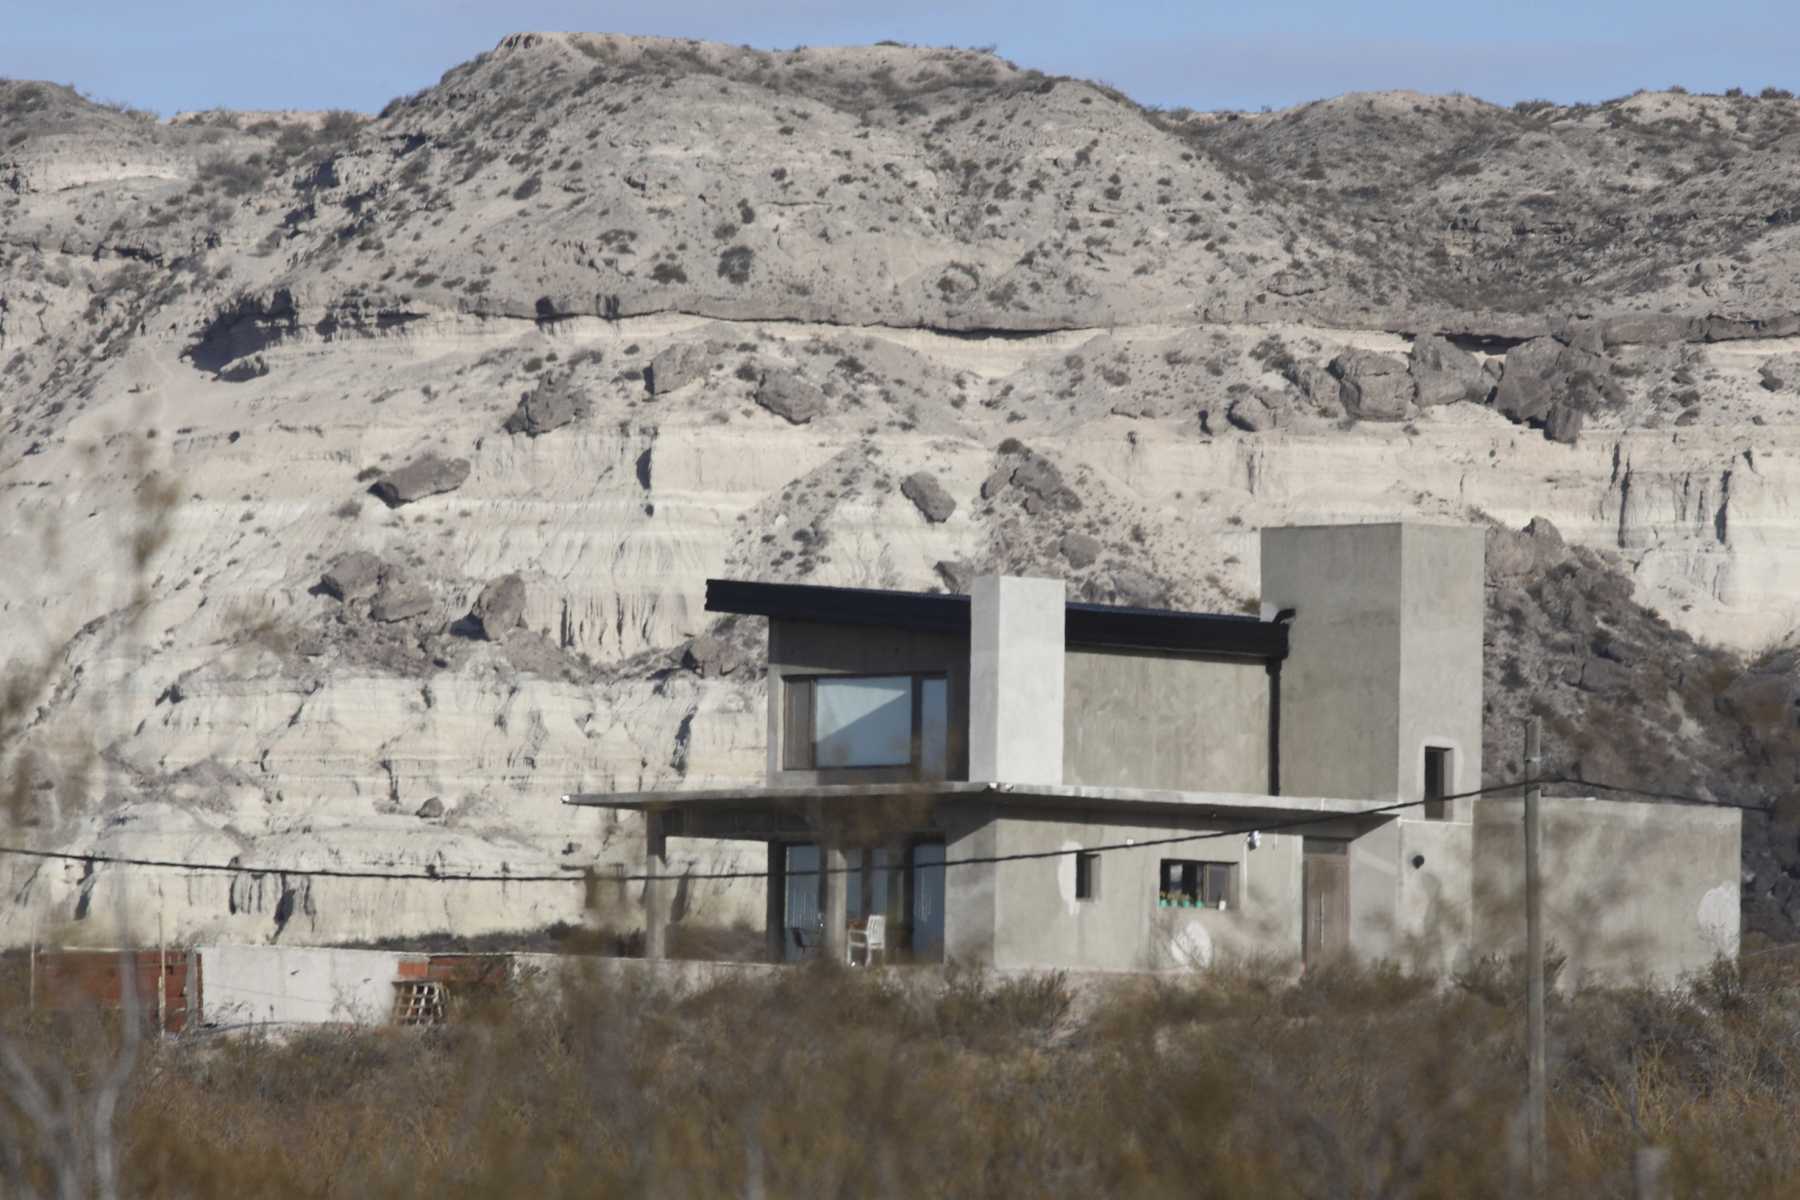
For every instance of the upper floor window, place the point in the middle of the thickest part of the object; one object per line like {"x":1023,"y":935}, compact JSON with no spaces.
{"x":839,"y":722}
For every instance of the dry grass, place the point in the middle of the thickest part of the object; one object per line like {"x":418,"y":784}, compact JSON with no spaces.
{"x":817,"y":1082}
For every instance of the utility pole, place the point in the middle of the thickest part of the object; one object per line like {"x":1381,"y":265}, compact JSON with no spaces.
{"x":162,"y":968}
{"x":1650,"y":1174}
{"x":1534,"y":960}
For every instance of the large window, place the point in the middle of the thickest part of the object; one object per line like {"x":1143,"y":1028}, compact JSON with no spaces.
{"x":1184,"y":883}
{"x":839,"y":722}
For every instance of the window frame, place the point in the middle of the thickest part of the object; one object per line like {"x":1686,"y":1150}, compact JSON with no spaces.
{"x":1087,"y":875}
{"x":1436,"y":807}
{"x":800,"y":721}
{"x":1204,"y":883}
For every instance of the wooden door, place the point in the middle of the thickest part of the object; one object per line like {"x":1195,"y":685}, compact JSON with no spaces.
{"x":1325,"y":900}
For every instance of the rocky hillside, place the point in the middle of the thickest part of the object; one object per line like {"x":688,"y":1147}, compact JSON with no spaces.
{"x":365,"y":470}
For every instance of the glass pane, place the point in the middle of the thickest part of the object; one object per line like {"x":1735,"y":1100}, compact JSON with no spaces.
{"x":1218,"y":884}
{"x":928,"y":899}
{"x":857,"y":861}
{"x":803,"y":890}
{"x":934,"y":728}
{"x":863,"y":722}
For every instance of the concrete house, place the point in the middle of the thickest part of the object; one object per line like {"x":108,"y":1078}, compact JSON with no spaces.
{"x":1017,"y":780}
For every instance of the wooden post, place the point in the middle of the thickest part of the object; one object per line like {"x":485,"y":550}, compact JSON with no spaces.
{"x":656,"y":905}
{"x":1650,"y":1174}
{"x":1537,"y":1100}
{"x":162,"y":969}
{"x":190,"y":991}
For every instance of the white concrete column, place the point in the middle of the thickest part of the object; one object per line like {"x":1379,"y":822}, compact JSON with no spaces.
{"x":1016,"y":655}
{"x":833,"y":863}
{"x":656,"y":902}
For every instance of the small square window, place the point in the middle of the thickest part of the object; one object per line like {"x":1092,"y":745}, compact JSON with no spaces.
{"x":1087,"y":875}
{"x":1185,"y":883}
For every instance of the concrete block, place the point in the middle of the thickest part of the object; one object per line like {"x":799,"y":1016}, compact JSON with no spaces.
{"x":1016,"y":665}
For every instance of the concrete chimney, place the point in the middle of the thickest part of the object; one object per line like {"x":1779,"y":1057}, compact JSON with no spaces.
{"x":1016,"y":655}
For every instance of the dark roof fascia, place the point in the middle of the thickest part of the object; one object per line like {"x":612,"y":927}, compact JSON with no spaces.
{"x":1113,"y":627}
{"x":1097,"y":625}
{"x":931,"y":612}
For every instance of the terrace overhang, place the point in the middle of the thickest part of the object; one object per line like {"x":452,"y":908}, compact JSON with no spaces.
{"x":776,"y":810}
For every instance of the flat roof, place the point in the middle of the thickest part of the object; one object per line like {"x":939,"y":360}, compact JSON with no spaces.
{"x":1101,"y":625}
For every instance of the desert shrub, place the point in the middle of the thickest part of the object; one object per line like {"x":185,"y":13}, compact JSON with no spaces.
{"x":734,"y":264}
{"x":234,"y":176}
{"x":817,"y":1080}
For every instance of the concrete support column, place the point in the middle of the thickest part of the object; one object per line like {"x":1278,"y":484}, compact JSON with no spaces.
{"x":971,"y":893}
{"x":775,"y":904}
{"x":656,"y":903}
{"x":1016,"y":655}
{"x":836,"y":887}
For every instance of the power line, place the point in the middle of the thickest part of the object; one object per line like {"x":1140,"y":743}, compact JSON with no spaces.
{"x":1678,"y":797}
{"x":584,"y":875}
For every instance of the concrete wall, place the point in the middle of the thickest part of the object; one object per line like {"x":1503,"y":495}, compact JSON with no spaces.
{"x":1632,"y":890}
{"x":1016,"y":665}
{"x":1410,"y":893}
{"x":807,"y":648}
{"x":1443,"y":607}
{"x":971,"y":893}
{"x":298,"y":984}
{"x":1385,"y":655}
{"x":1037,"y":922}
{"x":1140,"y":719}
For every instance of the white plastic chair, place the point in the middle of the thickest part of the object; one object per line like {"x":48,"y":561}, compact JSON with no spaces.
{"x":871,"y":939}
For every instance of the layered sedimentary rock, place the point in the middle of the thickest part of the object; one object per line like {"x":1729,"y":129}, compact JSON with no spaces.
{"x":879,"y":317}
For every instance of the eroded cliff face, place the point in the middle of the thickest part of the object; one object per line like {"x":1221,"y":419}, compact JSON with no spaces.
{"x":615,"y":315}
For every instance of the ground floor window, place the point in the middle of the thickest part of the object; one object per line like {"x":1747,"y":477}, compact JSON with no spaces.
{"x":1188,"y":883}
{"x":920,"y":872}
{"x":1087,"y":875}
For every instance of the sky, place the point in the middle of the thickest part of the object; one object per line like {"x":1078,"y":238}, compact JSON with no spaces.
{"x":174,"y":55}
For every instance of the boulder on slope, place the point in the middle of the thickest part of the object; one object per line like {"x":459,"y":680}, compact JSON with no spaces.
{"x":924,"y":490}
{"x":501,"y":607}
{"x":1444,"y":373}
{"x":547,"y":407}
{"x":427,"y":475}
{"x":355,"y":574}
{"x":675,"y":367}
{"x":1374,"y":387}
{"x":790,"y":397}
{"x":400,"y":600}
{"x":1545,"y":374}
